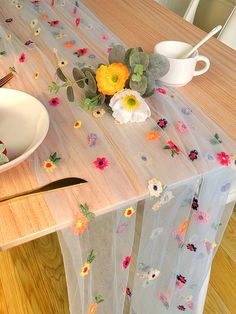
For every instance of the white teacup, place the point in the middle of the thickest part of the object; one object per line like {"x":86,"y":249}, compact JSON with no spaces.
{"x":181,"y":70}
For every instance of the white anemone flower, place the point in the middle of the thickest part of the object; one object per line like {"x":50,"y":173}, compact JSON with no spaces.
{"x":129,"y":106}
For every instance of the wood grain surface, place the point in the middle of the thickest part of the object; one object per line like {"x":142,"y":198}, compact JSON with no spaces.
{"x":32,"y":278}
{"x":136,"y":22}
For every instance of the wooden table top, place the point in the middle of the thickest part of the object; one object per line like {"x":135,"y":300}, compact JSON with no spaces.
{"x":137,"y":23}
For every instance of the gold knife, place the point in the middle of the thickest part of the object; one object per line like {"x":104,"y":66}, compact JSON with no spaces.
{"x":55,"y":185}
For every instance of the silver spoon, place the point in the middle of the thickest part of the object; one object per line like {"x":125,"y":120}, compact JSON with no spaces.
{"x":201,"y":42}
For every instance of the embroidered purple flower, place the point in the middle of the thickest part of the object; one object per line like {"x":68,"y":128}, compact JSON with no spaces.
{"x":181,"y":308}
{"x":181,"y":127}
{"x":55,"y":101}
{"x":193,"y":155}
{"x":191,"y":247}
{"x":162,"y":123}
{"x":195,"y":203}
{"x":126,"y":262}
{"x":180,"y":281}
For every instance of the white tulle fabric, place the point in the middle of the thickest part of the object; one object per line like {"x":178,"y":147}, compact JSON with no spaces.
{"x":169,"y":272}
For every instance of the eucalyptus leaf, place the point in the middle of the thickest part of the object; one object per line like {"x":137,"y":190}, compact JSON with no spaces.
{"x":91,"y":82}
{"x":136,"y":77}
{"x":159,"y":64}
{"x":117,"y":54}
{"x":139,"y":58}
{"x":102,"y":99}
{"x":78,"y":76}
{"x":89,"y":93}
{"x":61,"y":75}
{"x":127,"y":55}
{"x":138,"y":68}
{"x":150,"y":85}
{"x":139,"y":86}
{"x":70,"y":93}
{"x":89,"y":70}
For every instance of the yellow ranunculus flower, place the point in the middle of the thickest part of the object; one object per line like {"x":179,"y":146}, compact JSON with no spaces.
{"x":111,"y":79}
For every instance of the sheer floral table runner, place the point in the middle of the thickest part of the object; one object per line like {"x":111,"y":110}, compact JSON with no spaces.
{"x":178,"y":161}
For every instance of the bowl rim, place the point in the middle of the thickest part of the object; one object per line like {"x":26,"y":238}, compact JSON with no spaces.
{"x":27,"y":153}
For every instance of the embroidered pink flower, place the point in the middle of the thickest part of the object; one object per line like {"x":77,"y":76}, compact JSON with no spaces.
{"x":77,"y":21}
{"x":101,"y":163}
{"x":109,"y":49}
{"x":104,"y":37}
{"x":181,"y":127}
{"x":181,"y":308}
{"x":224,"y":159}
{"x":126,"y":262}
{"x":55,"y":101}
{"x":173,"y":147}
{"x":161,"y":90}
{"x":164,"y":299}
{"x":180,"y":281}
{"x":201,"y":216}
{"x":22,"y":58}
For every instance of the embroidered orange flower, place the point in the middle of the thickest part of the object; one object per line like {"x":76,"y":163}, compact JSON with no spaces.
{"x":69,"y":44}
{"x":129,"y":212}
{"x":49,"y":166}
{"x":77,"y":124}
{"x":44,"y":17}
{"x":93,"y":308}
{"x":152,"y":135}
{"x":111,"y":79}
{"x":85,"y":269}
{"x":80,"y":224}
{"x":183,"y":227}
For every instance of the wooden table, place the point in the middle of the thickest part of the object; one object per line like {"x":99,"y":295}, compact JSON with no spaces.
{"x":136,"y":22}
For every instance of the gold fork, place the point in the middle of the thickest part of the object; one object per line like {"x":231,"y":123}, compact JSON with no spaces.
{"x":6,"y":79}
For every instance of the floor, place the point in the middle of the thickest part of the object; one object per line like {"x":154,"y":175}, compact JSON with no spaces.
{"x":32,"y":279}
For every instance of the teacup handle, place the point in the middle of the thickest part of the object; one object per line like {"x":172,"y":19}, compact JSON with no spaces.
{"x":206,"y":67}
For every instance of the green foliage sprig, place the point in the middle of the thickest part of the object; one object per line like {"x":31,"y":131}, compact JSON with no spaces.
{"x":144,"y":70}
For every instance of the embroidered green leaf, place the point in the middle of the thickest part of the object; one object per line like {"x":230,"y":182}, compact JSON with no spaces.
{"x":3,"y":53}
{"x":54,"y":158}
{"x":12,"y":69}
{"x":54,"y":87}
{"x":166,"y":147}
{"x":99,"y":299}
{"x":91,"y":257}
{"x":84,"y":209}
{"x":216,"y":139}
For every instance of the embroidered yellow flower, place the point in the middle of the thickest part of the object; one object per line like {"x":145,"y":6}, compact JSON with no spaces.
{"x":130,"y":103}
{"x":8,"y":37}
{"x":62,"y":63}
{"x":85,"y":269}
{"x":129,"y":212}
{"x":37,"y":32}
{"x":36,"y":75}
{"x":49,"y":166}
{"x":77,"y":124}
{"x":33,"y":23}
{"x":111,"y":79}
{"x":155,"y":187}
{"x":98,"y":113}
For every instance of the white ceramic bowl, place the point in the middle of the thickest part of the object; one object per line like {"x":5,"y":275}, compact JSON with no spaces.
{"x":24,"y":124}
